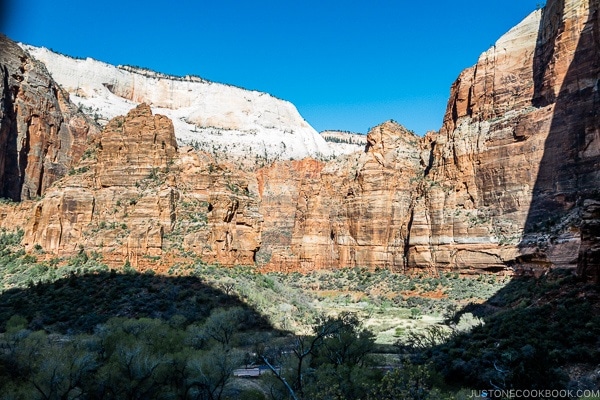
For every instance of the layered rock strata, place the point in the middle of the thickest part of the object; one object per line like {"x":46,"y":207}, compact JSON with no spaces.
{"x":510,"y":181}
{"x":500,"y":185}
{"x":136,"y":199}
{"x":515,"y":157}
{"x":42,"y":134}
{"x":354,"y":211}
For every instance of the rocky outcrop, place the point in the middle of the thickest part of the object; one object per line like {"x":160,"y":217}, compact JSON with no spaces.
{"x":135,"y":147}
{"x":354,"y":211}
{"x":251,"y":127}
{"x":135,"y":199}
{"x":515,"y":154}
{"x":483,"y":164}
{"x":42,"y":134}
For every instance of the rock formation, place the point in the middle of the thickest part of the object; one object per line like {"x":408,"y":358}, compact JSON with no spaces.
{"x":42,"y":134}
{"x":510,"y":181}
{"x":135,"y":198}
{"x":134,"y":147}
{"x":483,"y":162}
{"x":516,"y":152}
{"x":501,"y":185}
{"x":254,"y":127}
{"x":354,"y":211}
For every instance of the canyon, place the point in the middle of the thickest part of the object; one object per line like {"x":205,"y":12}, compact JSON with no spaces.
{"x":508,"y":184}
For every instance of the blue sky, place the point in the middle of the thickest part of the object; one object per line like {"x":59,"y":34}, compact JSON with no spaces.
{"x":346,"y":65}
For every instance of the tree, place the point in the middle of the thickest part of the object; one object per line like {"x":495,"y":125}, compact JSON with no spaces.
{"x":410,"y":382}
{"x":210,"y":373}
{"x":346,"y":343}
{"x":337,"y":343}
{"x":223,"y":324}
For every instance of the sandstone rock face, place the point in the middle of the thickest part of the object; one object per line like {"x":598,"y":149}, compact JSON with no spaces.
{"x":42,"y":134}
{"x":253,"y":127}
{"x":135,"y":198}
{"x":483,"y":162}
{"x":133,"y":148}
{"x":510,"y":181}
{"x":515,"y":154}
{"x":350,"y":212}
{"x":500,"y":185}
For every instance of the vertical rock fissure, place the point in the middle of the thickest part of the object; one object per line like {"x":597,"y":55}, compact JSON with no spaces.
{"x":6,"y":123}
{"x":23,"y":160}
{"x":407,"y":238}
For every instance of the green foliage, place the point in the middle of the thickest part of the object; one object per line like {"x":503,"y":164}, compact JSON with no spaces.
{"x":410,"y":382}
{"x":16,"y":323}
{"x":75,"y":303}
{"x":20,"y":270}
{"x":345,"y":341}
{"x":222,"y":325}
{"x":333,"y":362}
{"x":523,"y":344}
{"x":90,"y":152}
{"x":71,"y":329}
{"x":345,"y":140}
{"x":251,"y":394}
{"x":77,"y":171}
{"x":125,"y":359}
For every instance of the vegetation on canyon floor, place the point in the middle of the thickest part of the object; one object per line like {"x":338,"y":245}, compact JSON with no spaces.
{"x":73,"y":328}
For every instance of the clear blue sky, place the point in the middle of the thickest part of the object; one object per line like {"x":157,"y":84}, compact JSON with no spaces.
{"x":346,"y":65}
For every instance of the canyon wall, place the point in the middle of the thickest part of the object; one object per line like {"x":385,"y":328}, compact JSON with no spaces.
{"x":501,"y":186}
{"x":353,"y":211}
{"x":251,"y":127}
{"x":137,"y":198}
{"x":516,"y":153}
{"x":42,"y":134}
{"x":509,"y":182}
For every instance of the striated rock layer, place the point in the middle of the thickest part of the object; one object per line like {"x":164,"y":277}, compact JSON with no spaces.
{"x":484,"y":161}
{"x":516,"y":155}
{"x":350,"y":212}
{"x":511,"y":180}
{"x":501,"y":185}
{"x":136,"y":199}
{"x":42,"y":134}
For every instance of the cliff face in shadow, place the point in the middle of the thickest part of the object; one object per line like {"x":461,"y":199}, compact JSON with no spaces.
{"x":567,"y":183}
{"x":42,"y":134}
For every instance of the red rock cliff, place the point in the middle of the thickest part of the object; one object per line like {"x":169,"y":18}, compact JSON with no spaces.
{"x":353,"y":211}
{"x":42,"y":134}
{"x":135,"y":198}
{"x":511,"y":179}
{"x":518,"y":149}
{"x":500,"y":185}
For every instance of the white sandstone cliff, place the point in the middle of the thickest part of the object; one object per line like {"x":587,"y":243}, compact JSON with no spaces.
{"x":218,"y":118}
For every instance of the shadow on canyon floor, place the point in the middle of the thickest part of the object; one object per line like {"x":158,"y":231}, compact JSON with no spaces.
{"x":537,"y":333}
{"x":79,"y":303}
